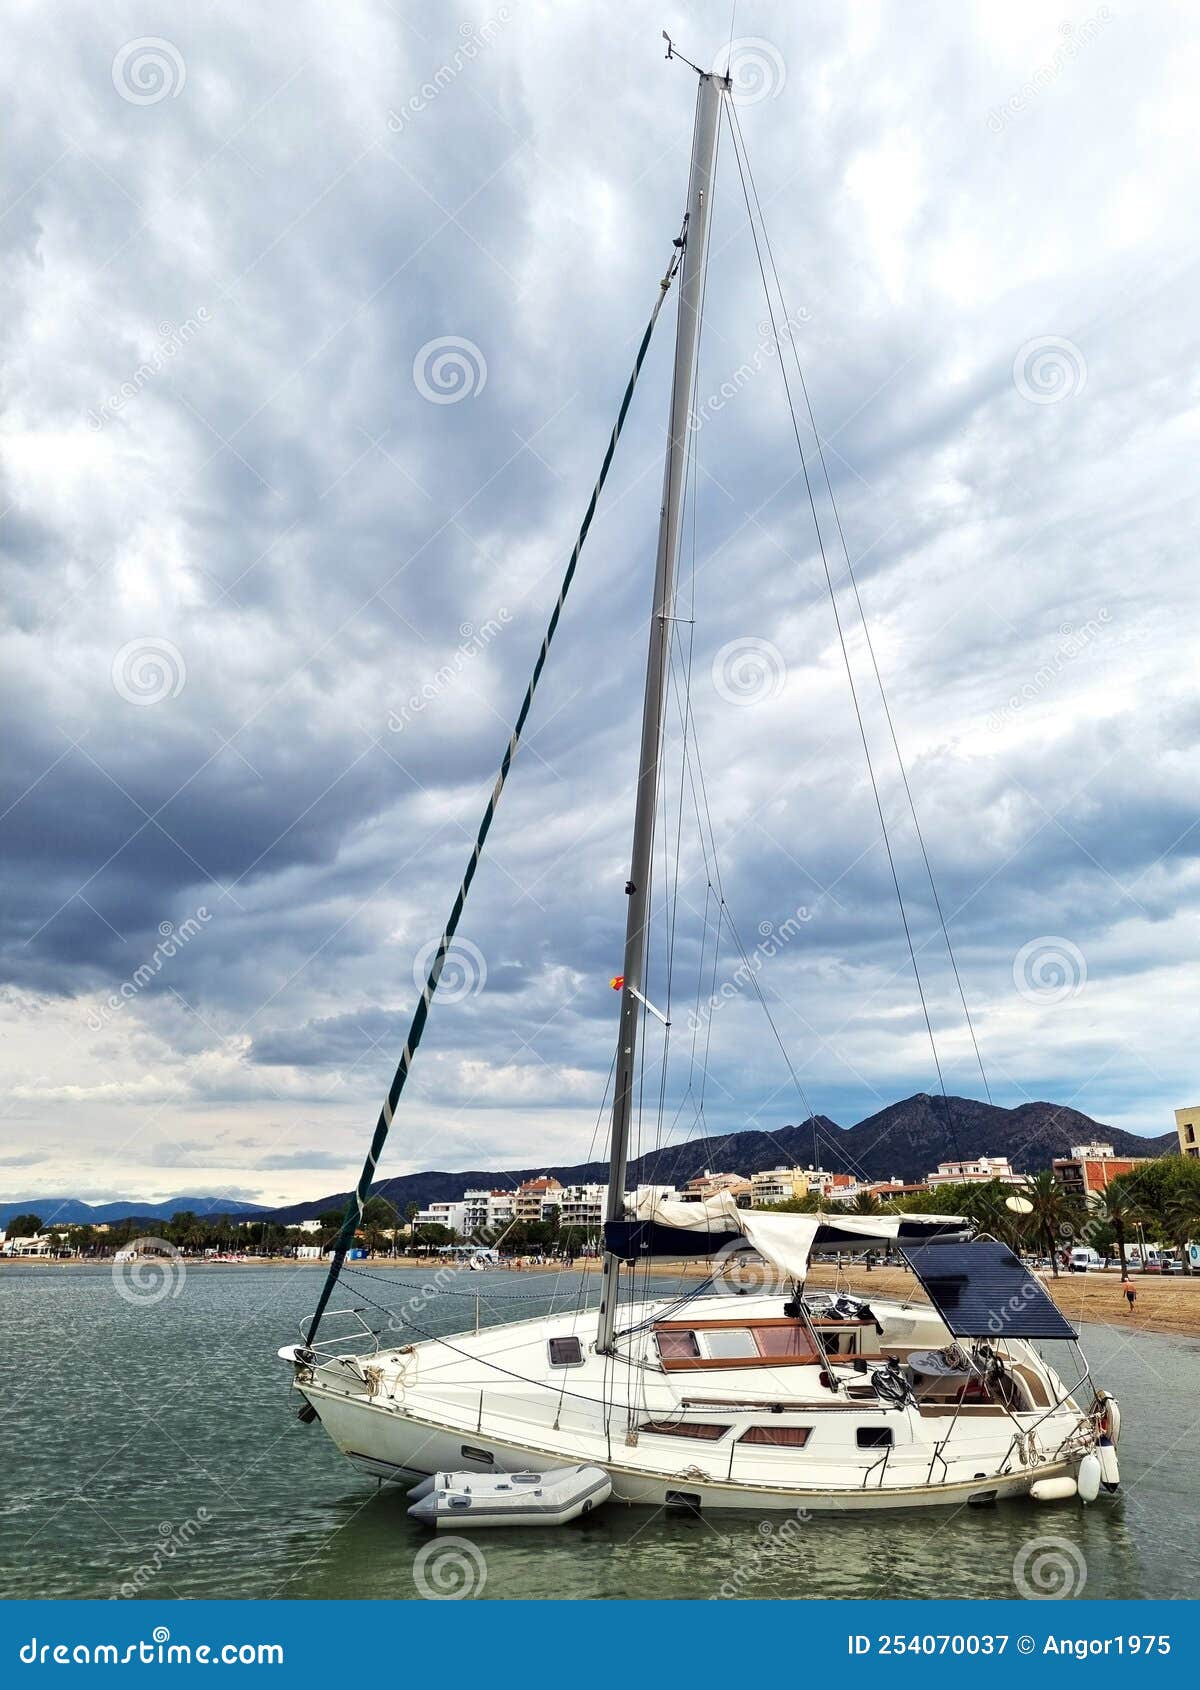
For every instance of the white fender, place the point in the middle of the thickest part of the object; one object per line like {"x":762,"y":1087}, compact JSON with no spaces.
{"x":1108,"y":1416}
{"x":1088,"y":1479}
{"x":1110,"y":1472}
{"x":1053,"y":1490}
{"x":1114,"y":1418}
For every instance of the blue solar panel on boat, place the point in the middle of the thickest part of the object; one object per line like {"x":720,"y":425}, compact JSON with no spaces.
{"x":982,"y":1290}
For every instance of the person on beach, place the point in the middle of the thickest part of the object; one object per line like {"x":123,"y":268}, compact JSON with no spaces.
{"x":1130,"y":1296}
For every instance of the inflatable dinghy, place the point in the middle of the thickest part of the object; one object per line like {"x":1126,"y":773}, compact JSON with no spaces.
{"x":550,"y":1498}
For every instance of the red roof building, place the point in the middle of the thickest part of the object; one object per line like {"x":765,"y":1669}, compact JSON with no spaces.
{"x":1091,"y":1167}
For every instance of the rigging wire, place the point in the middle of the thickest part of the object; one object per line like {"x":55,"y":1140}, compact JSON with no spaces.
{"x":866,"y":628}
{"x":742,"y":164}
{"x":708,"y":843}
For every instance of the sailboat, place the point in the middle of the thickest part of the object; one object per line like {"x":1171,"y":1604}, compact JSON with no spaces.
{"x":775,"y":1398}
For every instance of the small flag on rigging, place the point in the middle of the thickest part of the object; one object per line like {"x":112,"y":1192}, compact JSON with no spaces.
{"x":617,"y":982}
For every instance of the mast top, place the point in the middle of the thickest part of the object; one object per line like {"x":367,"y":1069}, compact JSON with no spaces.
{"x":674,"y":53}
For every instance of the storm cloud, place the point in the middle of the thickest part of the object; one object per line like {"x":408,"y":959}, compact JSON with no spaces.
{"x":313,"y":332}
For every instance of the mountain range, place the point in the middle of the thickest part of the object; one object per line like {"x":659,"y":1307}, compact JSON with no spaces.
{"x":906,"y":1140}
{"x":70,"y":1211}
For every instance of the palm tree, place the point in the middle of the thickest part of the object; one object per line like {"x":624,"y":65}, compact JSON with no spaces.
{"x":1117,"y":1205}
{"x":1050,"y":1208}
{"x":866,"y":1203}
{"x":984,"y":1204}
{"x":1182,"y":1218}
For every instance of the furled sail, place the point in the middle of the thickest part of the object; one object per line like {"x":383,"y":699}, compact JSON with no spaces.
{"x":717,"y":1225}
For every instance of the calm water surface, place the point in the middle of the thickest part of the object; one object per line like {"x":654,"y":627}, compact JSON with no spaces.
{"x":152,"y":1449}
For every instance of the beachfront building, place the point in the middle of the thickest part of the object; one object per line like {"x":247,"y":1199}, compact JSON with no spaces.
{"x":777,"y":1185}
{"x":1187,"y":1125}
{"x":583,"y":1206}
{"x":834,"y":1187}
{"x":538,"y":1199}
{"x":450,"y":1215}
{"x":1091,"y":1167}
{"x":36,"y":1246}
{"x":886,"y":1189}
{"x":709,"y":1184}
{"x":968,"y":1170}
{"x":488,"y":1212}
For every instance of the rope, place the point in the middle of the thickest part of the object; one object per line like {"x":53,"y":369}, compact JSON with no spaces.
{"x":354,"y":1209}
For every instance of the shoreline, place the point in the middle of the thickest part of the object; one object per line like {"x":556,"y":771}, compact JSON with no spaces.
{"x":1168,"y":1306}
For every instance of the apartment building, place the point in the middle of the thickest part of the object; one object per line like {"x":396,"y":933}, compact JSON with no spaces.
{"x":1091,"y":1167}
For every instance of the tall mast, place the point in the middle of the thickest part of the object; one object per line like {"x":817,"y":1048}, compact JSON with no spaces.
{"x":687,"y":340}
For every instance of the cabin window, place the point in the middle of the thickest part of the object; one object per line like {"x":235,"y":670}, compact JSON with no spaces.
{"x":678,"y":1346}
{"x":566,"y":1352}
{"x":731,"y":1344}
{"x":782,"y":1341}
{"x":707,"y":1430}
{"x":874,"y":1437}
{"x":781,"y":1437}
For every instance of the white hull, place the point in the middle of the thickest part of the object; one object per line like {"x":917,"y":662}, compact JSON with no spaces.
{"x":492,"y":1402}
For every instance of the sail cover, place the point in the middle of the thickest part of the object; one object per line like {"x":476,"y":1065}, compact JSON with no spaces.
{"x":664,"y":1228}
{"x":983,"y":1290}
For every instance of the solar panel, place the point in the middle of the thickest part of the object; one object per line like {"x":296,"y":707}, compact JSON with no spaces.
{"x":982,"y":1290}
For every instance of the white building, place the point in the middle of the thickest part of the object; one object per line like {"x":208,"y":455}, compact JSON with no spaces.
{"x":1096,"y":1151}
{"x":583,"y":1206}
{"x":826,"y":1184}
{"x":980,"y":1168}
{"x":39,"y":1246}
{"x":306,"y":1226}
{"x":487,"y":1212}
{"x":450,"y":1215}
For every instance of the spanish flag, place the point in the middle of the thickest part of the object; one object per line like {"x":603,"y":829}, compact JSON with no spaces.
{"x":617,"y":982}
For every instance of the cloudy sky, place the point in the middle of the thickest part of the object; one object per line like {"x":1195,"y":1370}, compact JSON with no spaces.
{"x":313,"y":331}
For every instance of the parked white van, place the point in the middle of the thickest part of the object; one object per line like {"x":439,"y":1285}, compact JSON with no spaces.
{"x":1085,"y":1260}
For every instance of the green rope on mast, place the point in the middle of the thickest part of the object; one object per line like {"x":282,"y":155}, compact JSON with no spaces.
{"x":354,"y":1211}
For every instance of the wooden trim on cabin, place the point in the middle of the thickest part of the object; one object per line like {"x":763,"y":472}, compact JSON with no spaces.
{"x":715,"y":1364}
{"x":718,"y":1325}
{"x":971,"y":1410}
{"x":741,"y":1406}
{"x":749,"y":1324}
